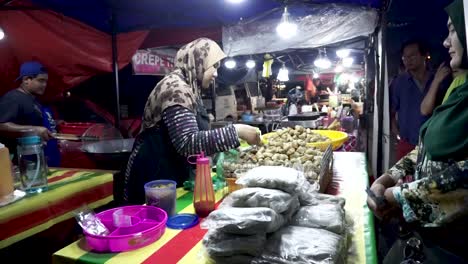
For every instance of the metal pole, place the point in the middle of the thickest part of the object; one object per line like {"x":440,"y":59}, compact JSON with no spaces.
{"x":381,"y":94}
{"x":115,"y":67}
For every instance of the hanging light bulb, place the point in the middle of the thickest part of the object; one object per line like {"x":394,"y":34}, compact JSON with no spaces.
{"x":235,"y":1}
{"x":316,"y":75}
{"x":348,"y":62}
{"x":322,"y":61}
{"x":343,"y":53}
{"x":250,"y":64}
{"x":230,"y":63}
{"x":2,"y":34}
{"x":339,"y":68}
{"x":286,"y":29}
{"x":283,"y":74}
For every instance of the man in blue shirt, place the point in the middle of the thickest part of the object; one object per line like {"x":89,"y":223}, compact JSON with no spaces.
{"x":21,"y":114}
{"x":407,"y":91}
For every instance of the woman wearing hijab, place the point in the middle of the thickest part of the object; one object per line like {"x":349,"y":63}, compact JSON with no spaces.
{"x":176,"y":125}
{"x":436,"y":201}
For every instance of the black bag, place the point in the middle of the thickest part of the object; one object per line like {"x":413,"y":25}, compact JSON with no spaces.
{"x":411,"y":248}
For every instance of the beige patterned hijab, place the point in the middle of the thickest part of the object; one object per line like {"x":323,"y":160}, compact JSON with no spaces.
{"x":182,"y":86}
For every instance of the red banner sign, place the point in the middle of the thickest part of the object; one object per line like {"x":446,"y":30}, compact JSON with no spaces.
{"x":153,"y":61}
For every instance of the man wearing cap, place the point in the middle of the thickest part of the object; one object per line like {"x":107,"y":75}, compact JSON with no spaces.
{"x":20,"y":113}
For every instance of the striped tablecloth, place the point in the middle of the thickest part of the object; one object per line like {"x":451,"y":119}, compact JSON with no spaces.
{"x":68,"y":190}
{"x":184,"y":246}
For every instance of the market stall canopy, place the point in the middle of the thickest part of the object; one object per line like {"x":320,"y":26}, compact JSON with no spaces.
{"x":70,"y":50}
{"x":71,"y":37}
{"x":317,"y":26}
{"x":151,"y":14}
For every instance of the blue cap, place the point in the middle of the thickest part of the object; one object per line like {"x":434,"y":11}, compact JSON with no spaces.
{"x":32,"y":140}
{"x":31,"y":68}
{"x":182,"y":221}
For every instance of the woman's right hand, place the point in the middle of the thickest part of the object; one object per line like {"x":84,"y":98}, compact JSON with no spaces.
{"x":379,"y":191}
{"x":248,"y":133}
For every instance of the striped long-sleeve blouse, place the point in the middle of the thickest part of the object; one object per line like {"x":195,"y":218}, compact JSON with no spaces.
{"x":189,"y":140}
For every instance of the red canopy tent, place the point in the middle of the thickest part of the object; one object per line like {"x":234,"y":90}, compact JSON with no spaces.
{"x":72,"y":51}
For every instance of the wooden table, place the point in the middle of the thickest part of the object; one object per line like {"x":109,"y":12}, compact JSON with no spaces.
{"x":68,"y":190}
{"x":177,"y":246}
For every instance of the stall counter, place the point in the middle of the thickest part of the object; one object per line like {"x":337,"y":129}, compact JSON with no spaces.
{"x":176,"y":246}
{"x":68,"y":190}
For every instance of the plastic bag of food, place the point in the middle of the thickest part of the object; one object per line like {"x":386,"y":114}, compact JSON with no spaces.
{"x":293,"y":207}
{"x":326,"y":216}
{"x":275,"y":177}
{"x":220,"y":244}
{"x":313,"y":198}
{"x":260,"y":197}
{"x":296,"y":244}
{"x":244,"y":221}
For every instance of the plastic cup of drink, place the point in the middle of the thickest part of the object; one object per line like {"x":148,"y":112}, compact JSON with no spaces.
{"x":162,"y":194}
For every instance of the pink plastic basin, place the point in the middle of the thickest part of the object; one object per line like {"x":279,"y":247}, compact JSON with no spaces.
{"x":148,"y":224}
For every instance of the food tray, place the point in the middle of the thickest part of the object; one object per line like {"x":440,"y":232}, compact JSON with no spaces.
{"x":337,"y":138}
{"x":148,"y":224}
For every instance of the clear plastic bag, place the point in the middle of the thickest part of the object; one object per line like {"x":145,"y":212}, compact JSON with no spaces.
{"x":295,"y":244}
{"x":326,"y":216}
{"x":275,"y":177}
{"x":277,"y":200}
{"x":285,"y":179}
{"x":244,"y":221}
{"x":90,"y":223}
{"x":293,"y":207}
{"x":319,"y":198}
{"x":220,"y":244}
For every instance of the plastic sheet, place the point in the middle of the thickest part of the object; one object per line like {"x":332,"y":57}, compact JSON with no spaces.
{"x":302,"y":245}
{"x":244,"y":221}
{"x":277,"y":200}
{"x":324,"y":216}
{"x":317,"y":25}
{"x":220,"y":244}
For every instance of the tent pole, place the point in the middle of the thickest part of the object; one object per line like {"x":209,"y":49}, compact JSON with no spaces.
{"x":115,"y":67}
{"x":381,"y":95}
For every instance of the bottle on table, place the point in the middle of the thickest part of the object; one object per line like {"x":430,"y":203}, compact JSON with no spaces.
{"x":6,"y":177}
{"x":32,"y":164}
{"x":203,"y":194}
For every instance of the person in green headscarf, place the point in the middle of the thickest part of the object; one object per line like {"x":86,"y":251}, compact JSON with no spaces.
{"x":437,"y":198}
